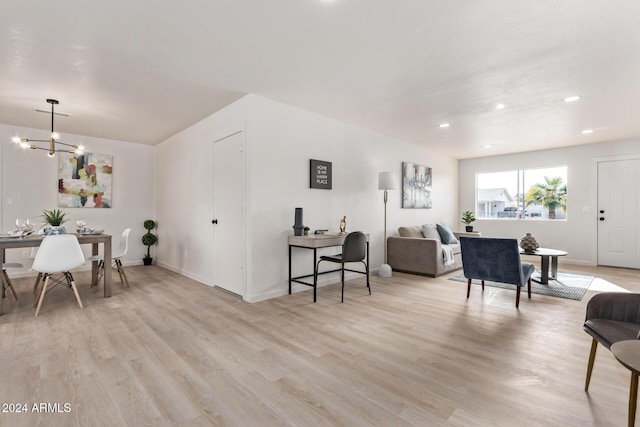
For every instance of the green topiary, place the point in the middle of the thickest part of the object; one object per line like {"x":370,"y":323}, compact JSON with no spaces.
{"x":149,"y":239}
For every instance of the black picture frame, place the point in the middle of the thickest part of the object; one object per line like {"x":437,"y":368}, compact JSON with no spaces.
{"x":319,"y":174}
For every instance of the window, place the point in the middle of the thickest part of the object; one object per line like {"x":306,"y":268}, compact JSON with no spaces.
{"x":531,"y":194}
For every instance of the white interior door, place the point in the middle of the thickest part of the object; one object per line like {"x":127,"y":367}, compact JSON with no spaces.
{"x":229,"y":214}
{"x":619,"y":213}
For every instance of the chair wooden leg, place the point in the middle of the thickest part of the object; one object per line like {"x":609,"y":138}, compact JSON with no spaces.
{"x":122,"y":273}
{"x":592,"y":359}
{"x":468,"y":287}
{"x":42,"y":293}
{"x":10,"y":285}
{"x":75,"y":289}
{"x":518,"y":296}
{"x":529,"y":287}
{"x":8,"y":289}
{"x":35,"y":286}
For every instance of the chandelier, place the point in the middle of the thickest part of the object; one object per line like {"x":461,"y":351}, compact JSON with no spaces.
{"x":54,"y":139}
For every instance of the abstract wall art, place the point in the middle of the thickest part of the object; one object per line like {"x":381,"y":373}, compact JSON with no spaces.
{"x":416,"y":186}
{"x":85,"y":181}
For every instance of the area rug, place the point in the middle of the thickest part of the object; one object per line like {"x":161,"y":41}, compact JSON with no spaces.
{"x":569,"y":286}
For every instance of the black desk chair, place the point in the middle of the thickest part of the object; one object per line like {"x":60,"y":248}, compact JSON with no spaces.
{"x":354,"y":249}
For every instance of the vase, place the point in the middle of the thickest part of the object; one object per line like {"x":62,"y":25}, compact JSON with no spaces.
{"x":528,"y":243}
{"x":298,"y":225}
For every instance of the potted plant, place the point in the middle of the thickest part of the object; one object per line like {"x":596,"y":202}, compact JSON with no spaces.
{"x":306,"y":231}
{"x":468,"y":218}
{"x":55,"y":218}
{"x":149,"y":239}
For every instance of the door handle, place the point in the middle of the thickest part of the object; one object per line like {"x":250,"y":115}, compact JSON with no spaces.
{"x":601,"y":218}
{"x":214,"y":221}
{"x":601,"y":210}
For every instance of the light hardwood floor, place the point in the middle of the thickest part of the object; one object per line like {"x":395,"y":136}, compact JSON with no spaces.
{"x":170,"y":351}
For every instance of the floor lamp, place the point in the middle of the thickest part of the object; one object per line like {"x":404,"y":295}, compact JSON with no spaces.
{"x":386,"y":181}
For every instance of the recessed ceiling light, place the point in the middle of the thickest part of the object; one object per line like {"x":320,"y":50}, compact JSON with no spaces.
{"x":486,"y":146}
{"x":444,"y":125}
{"x":500,"y":106}
{"x":572,"y":98}
{"x":587,"y":131}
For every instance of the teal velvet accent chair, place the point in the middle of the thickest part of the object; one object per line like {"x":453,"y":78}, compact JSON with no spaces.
{"x":495,"y":260}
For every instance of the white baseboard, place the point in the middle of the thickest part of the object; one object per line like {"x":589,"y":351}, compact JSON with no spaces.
{"x":203,"y":280}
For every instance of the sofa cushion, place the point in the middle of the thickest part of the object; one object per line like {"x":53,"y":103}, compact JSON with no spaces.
{"x":412,"y":231}
{"x":446,"y":235}
{"x":430,"y":231}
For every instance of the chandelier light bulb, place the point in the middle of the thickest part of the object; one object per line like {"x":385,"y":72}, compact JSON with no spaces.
{"x":16,"y":140}
{"x":55,"y":135}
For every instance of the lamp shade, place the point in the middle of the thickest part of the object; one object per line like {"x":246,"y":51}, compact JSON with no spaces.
{"x":387,"y":181}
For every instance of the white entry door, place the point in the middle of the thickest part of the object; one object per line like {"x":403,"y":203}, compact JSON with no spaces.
{"x":229,"y":214}
{"x":619,"y":213}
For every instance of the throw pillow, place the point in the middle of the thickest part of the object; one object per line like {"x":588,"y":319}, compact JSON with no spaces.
{"x":412,"y":231}
{"x":446,"y":234}
{"x":430,"y":231}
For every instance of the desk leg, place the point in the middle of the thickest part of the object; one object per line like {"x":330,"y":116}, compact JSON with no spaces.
{"x":289,"y":269}
{"x":107,"y":268}
{"x":554,"y":267}
{"x":544,"y":270}
{"x":315,"y":281}
{"x":368,"y":268}
{"x":633,"y":398}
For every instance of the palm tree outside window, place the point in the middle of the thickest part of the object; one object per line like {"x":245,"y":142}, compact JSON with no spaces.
{"x":529,"y":194}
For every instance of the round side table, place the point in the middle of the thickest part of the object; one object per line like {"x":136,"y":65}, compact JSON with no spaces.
{"x":628,"y":354}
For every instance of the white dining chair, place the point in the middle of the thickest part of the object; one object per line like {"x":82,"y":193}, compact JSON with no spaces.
{"x":58,"y":254}
{"x":116,"y":256}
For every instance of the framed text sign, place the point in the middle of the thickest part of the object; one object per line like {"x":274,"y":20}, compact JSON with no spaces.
{"x":320,"y":172}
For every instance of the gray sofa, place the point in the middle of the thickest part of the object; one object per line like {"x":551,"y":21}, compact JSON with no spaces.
{"x":412,"y":252}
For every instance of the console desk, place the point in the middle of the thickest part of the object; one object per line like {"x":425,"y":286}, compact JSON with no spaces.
{"x":314,"y":242}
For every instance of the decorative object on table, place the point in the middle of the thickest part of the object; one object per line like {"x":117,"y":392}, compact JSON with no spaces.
{"x":306,"y":231}
{"x":467,"y":219}
{"x":416,"y":186}
{"x":298,"y":226}
{"x":81,"y":226}
{"x":343,"y":225}
{"x":320,"y":231}
{"x":320,"y":174}
{"x":529,"y":244}
{"x":149,"y":239}
{"x":85,"y":180}
{"x":386,"y":181}
{"x":54,"y":138}
{"x":54,"y":218}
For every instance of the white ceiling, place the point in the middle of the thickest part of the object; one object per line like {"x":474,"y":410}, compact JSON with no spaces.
{"x":143,"y":70}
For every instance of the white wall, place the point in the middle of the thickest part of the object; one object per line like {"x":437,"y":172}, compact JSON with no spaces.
{"x":29,"y":183}
{"x":280,"y":140}
{"x":578,"y":234}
